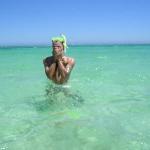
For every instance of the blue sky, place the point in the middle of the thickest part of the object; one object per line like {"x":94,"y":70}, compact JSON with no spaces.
{"x":83,"y":21}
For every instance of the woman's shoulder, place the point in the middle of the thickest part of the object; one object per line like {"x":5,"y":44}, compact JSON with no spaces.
{"x":48,"y":60}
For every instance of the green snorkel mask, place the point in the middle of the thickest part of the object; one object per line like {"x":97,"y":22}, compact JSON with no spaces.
{"x":61,"y":39}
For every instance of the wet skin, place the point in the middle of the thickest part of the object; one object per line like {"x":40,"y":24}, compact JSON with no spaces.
{"x":58,"y":67}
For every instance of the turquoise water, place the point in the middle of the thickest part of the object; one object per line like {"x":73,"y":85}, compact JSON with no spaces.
{"x":105,"y":105}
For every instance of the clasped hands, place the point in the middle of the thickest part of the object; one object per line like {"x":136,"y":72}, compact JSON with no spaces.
{"x":60,"y":59}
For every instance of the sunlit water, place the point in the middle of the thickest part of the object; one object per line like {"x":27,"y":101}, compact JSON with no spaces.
{"x":104,"y":106}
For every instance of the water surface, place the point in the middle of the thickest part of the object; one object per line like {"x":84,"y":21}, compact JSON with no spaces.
{"x":105,"y":105}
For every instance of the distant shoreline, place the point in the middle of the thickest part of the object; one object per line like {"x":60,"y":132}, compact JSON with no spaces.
{"x":76,"y":45}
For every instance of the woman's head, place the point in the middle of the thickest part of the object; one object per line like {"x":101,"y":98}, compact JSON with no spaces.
{"x":58,"y":48}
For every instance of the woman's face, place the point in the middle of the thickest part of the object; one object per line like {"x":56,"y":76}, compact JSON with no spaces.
{"x":57,"y":48}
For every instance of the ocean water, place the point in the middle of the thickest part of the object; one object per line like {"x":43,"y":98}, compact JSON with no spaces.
{"x":104,"y":106}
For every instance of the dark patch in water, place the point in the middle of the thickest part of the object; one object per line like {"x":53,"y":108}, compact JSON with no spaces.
{"x":55,"y":97}
{"x":53,"y":91}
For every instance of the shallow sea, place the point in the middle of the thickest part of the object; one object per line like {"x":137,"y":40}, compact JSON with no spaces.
{"x":104,"y":106}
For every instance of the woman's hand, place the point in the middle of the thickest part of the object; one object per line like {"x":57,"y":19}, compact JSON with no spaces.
{"x":64,"y":60}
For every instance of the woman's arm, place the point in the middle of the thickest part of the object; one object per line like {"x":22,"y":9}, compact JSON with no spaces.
{"x":49,"y":69}
{"x":65,"y":69}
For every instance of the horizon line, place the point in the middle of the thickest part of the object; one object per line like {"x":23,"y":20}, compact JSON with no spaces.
{"x":82,"y":44}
